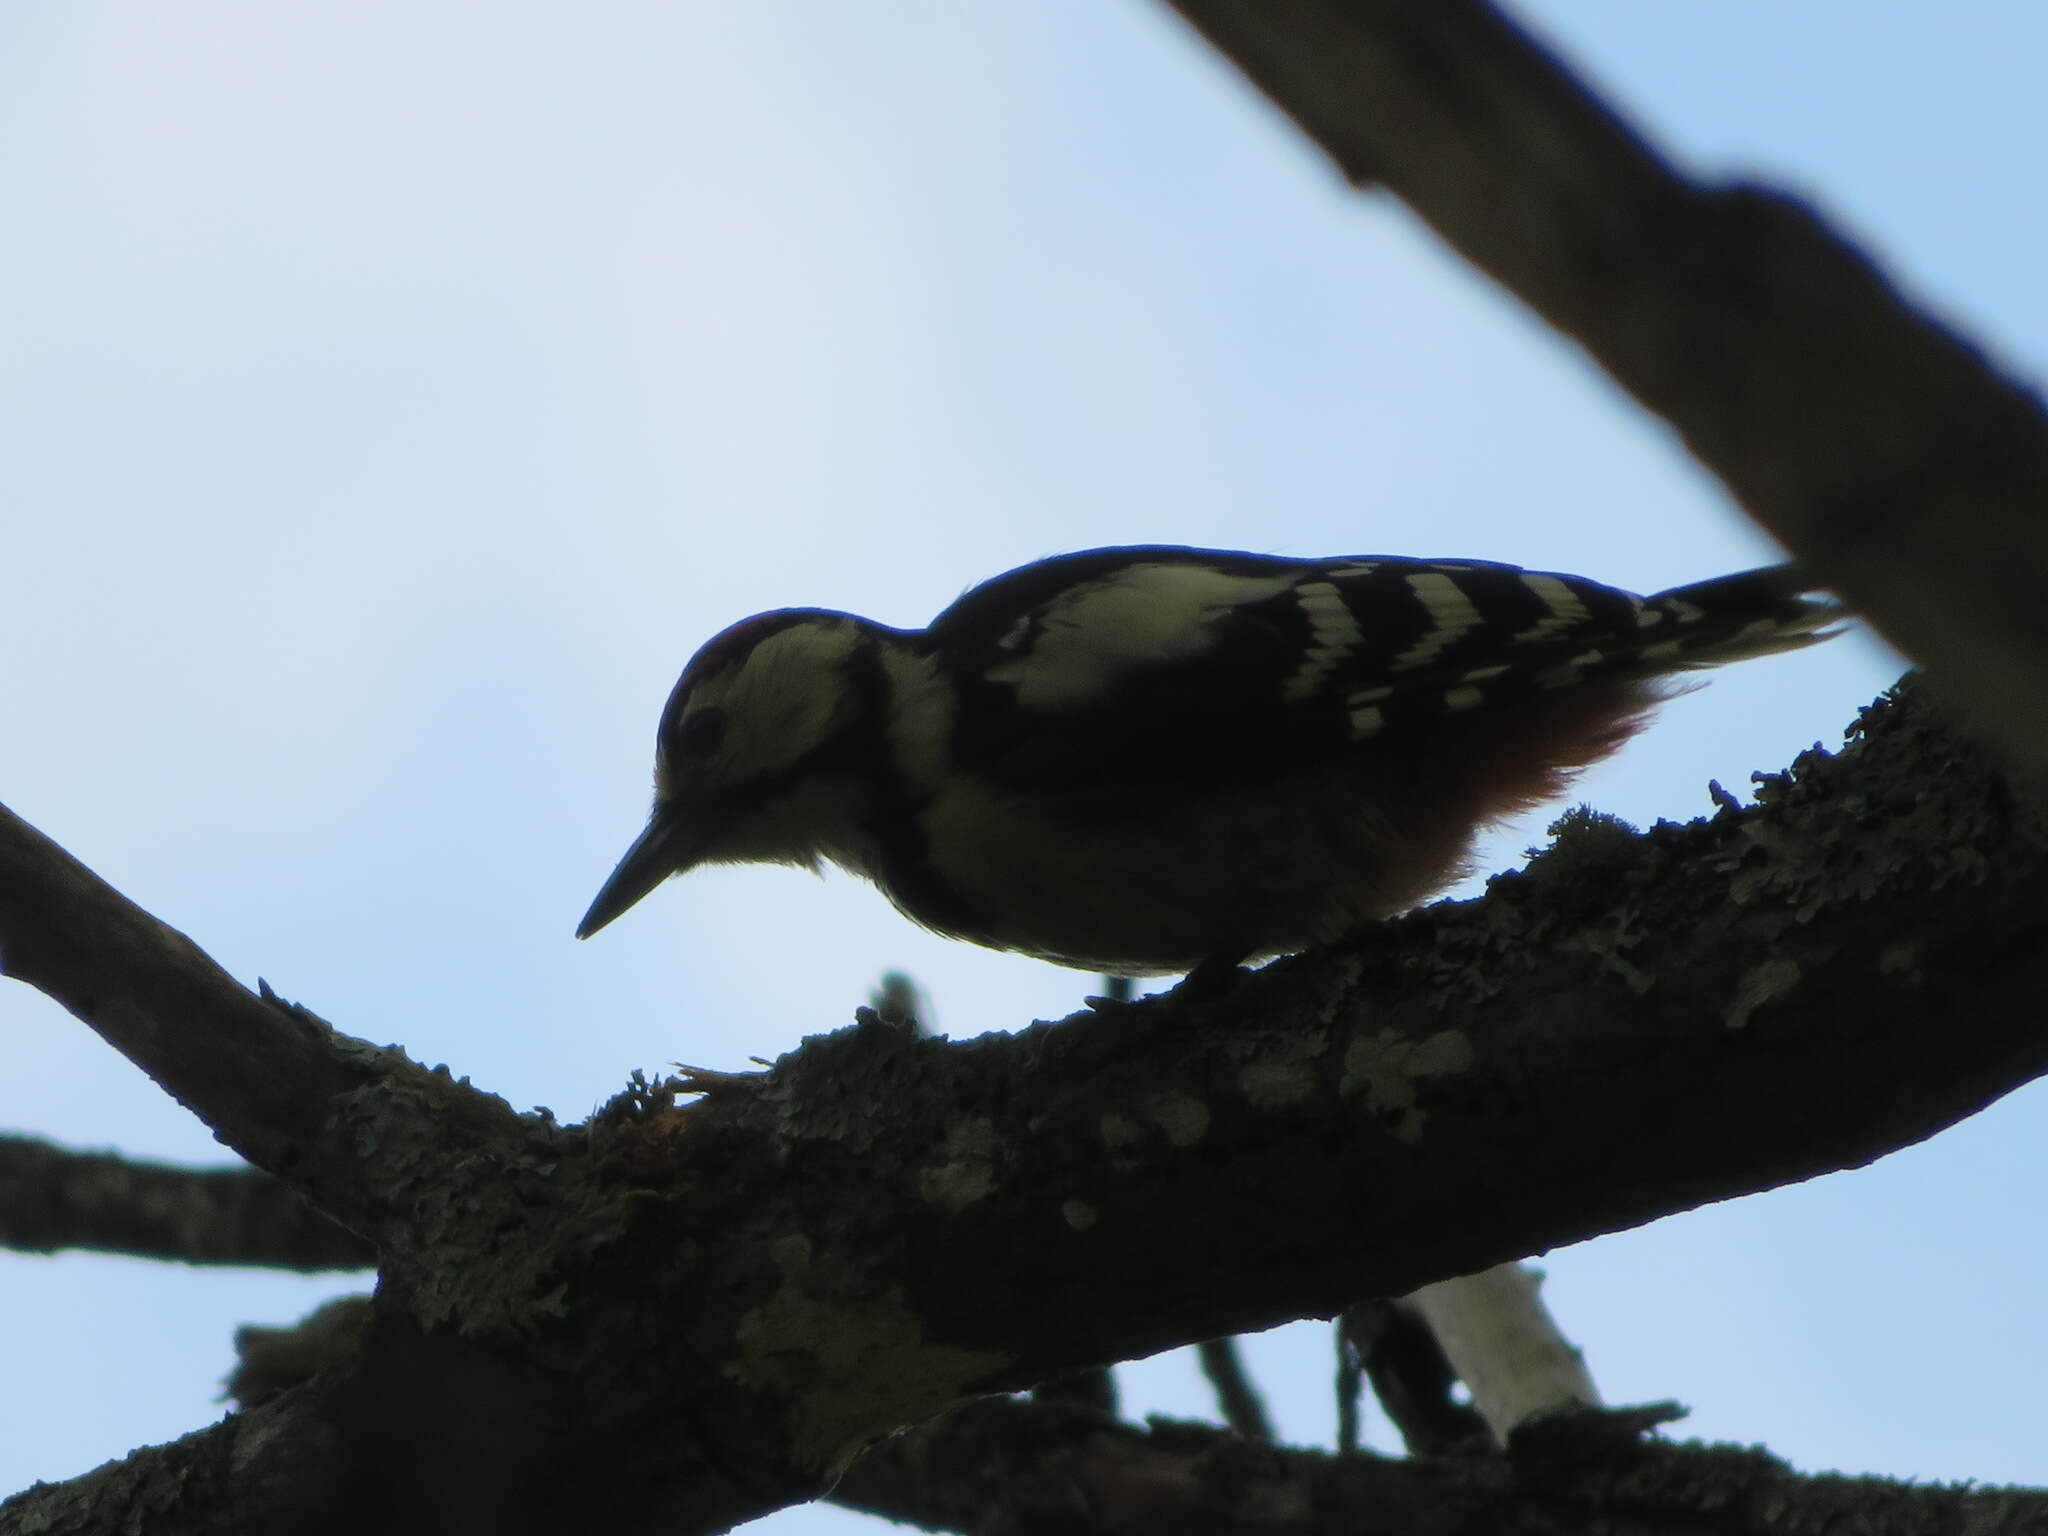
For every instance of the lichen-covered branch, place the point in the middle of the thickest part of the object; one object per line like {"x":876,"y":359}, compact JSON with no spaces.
{"x":1852,"y":966}
{"x":53,"y":1198}
{"x":670,"y":1320}
{"x":1035,"y":1470}
{"x":369,"y":1138}
{"x":1058,"y":1467}
{"x":1876,"y":444}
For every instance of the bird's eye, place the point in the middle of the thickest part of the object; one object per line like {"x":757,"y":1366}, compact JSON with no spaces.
{"x":702,"y":731}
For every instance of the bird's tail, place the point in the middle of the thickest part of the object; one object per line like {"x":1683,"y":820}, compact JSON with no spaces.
{"x":1732,"y":618}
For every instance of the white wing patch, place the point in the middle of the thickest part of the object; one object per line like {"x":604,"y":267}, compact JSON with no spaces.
{"x":1565,"y":608}
{"x":1093,"y":636}
{"x":1451,"y":615}
{"x":1333,"y":635}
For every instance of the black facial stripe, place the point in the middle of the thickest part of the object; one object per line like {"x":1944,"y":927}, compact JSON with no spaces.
{"x":897,"y":829}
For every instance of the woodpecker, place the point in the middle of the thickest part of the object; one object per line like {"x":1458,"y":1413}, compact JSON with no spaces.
{"x":1152,"y":759}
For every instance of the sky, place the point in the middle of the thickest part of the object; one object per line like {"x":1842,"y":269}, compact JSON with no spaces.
{"x":393,"y":396}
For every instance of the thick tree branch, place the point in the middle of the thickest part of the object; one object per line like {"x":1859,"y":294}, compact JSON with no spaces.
{"x":341,"y":1121}
{"x":1030,"y":1469}
{"x":1875,"y":444}
{"x":1850,"y":967}
{"x":1008,"y":1465}
{"x":257,"y":1076}
{"x":53,"y":1198}
{"x":673,"y":1320}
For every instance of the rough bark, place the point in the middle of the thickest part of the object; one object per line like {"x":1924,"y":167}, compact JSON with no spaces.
{"x":1027,"y":1469}
{"x":671,"y":1320}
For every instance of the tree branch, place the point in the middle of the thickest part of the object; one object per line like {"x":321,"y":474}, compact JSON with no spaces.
{"x":671,"y":1320}
{"x":53,"y":1198}
{"x":1020,"y":1467}
{"x":1029,"y":1468}
{"x":339,"y":1120}
{"x":257,"y":1076}
{"x":1242,"y":1407}
{"x":1878,"y":446}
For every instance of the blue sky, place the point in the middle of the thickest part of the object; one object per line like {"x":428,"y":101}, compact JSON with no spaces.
{"x":396,"y":395}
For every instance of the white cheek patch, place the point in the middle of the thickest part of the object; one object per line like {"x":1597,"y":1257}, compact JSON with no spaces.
{"x":1094,"y":636}
{"x":780,"y":700}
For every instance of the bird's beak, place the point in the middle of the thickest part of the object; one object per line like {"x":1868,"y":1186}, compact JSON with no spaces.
{"x":663,"y":849}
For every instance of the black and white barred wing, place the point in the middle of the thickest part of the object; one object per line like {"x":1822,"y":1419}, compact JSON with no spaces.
{"x":1395,"y":642}
{"x":1174,"y":666}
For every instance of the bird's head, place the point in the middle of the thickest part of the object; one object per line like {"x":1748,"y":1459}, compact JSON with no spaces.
{"x":747,"y":757}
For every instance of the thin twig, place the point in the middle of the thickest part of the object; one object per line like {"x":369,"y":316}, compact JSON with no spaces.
{"x":1242,"y":1407}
